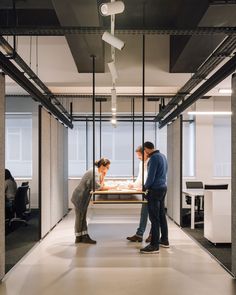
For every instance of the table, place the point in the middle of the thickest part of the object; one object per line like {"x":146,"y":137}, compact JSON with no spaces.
{"x":193,"y":193}
{"x":118,"y":192}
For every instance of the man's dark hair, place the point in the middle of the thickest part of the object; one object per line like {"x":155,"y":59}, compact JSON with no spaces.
{"x":148,"y":145}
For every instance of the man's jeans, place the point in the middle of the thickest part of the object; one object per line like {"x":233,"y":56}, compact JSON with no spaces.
{"x":157,"y":216}
{"x":143,"y":220}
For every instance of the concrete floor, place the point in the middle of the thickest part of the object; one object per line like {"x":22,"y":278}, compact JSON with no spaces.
{"x":115,"y":266}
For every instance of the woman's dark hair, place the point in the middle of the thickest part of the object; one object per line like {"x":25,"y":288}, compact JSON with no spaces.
{"x":8,"y":175}
{"x":148,"y":145}
{"x":102,"y":162}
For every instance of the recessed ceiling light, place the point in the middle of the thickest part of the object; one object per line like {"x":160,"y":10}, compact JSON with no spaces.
{"x":225,"y":91}
{"x":210,"y":113}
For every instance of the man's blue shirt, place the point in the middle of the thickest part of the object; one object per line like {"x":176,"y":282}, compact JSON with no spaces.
{"x":157,"y":170}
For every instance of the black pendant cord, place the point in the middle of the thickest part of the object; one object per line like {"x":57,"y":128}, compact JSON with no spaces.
{"x":100,"y":129}
{"x":143,"y":109}
{"x":93,"y":57}
{"x":86,"y":142}
{"x":132,"y":111}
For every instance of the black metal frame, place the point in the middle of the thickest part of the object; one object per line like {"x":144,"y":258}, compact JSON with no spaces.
{"x":67,"y":30}
{"x":223,"y":51}
{"x":214,"y":80}
{"x":11,"y":70}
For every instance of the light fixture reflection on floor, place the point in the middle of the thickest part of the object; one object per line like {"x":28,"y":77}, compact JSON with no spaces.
{"x":112,"y":8}
{"x":113,"y":41}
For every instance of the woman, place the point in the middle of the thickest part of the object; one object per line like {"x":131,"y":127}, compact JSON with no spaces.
{"x":81,"y":197}
{"x":10,"y":186}
{"x":10,"y":192}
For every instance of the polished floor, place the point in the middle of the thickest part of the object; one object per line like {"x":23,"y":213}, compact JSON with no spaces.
{"x":114,"y":266}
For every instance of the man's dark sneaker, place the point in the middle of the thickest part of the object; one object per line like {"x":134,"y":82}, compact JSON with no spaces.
{"x":164,"y":244}
{"x":149,"y":249}
{"x":87,"y":240}
{"x":135,"y":238}
{"x":148,"y":239}
{"x":78,"y":239}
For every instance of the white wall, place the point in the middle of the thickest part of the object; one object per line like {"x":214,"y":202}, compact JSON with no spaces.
{"x":204,"y":140}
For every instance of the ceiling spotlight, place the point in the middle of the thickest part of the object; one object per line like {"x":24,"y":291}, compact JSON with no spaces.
{"x":113,"y":71}
{"x":112,"y":8}
{"x":113,"y":99}
{"x":113,"y":41}
{"x":113,"y":121}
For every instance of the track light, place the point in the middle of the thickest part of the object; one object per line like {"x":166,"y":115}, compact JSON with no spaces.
{"x":113,"y":100}
{"x":113,"y":71}
{"x":112,"y":8}
{"x":113,"y":41}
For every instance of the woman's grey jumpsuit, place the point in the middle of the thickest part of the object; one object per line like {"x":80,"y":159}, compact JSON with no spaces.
{"x":80,"y":198}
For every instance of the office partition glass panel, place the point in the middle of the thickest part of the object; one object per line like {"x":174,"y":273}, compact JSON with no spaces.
{"x":77,"y":149}
{"x":222,"y":146}
{"x":189,"y":148}
{"x":19,"y":144}
{"x":117,"y":146}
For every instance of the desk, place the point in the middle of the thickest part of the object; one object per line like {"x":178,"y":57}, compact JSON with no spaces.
{"x":118,"y":192}
{"x":217,"y":216}
{"x":193,"y":193}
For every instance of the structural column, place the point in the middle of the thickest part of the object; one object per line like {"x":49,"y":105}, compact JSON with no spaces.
{"x":2,"y":175}
{"x":233,"y":172}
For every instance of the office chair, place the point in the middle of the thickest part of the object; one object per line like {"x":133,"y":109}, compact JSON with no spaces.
{"x":199,"y":199}
{"x":19,"y":206}
{"x":194,"y":185}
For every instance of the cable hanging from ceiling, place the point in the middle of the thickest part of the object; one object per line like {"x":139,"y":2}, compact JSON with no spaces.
{"x":111,"y":9}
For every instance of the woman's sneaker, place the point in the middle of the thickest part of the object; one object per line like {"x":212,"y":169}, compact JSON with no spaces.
{"x":135,"y":238}
{"x":149,"y":249}
{"x":87,"y":240}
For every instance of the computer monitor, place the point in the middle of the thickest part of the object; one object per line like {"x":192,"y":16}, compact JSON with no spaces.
{"x":216,"y":186}
{"x":194,"y":185}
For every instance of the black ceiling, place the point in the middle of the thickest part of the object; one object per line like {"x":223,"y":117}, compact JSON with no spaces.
{"x":186,"y":52}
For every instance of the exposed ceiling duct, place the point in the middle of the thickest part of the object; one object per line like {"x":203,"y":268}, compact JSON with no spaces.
{"x":46,"y":98}
{"x":223,"y":51}
{"x":226,"y":70}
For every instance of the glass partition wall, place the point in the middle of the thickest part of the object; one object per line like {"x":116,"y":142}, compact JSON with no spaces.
{"x":22,"y":215}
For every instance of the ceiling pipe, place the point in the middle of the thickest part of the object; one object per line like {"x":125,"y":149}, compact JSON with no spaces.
{"x":12,"y":71}
{"x":224,"y":50}
{"x":66,"y":30}
{"x":27,"y":70}
{"x":226,"y":70}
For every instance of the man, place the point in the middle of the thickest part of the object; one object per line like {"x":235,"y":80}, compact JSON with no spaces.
{"x":138,"y":237}
{"x":155,"y":186}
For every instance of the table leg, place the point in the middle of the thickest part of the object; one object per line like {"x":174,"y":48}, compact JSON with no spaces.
{"x":192,"y":211}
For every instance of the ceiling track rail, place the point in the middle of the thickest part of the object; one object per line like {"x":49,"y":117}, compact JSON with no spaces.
{"x":12,"y":71}
{"x":67,"y":30}
{"x":226,"y":70}
{"x":32,"y":76}
{"x":223,"y":51}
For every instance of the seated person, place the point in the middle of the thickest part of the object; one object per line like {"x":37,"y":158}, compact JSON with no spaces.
{"x":10,"y":192}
